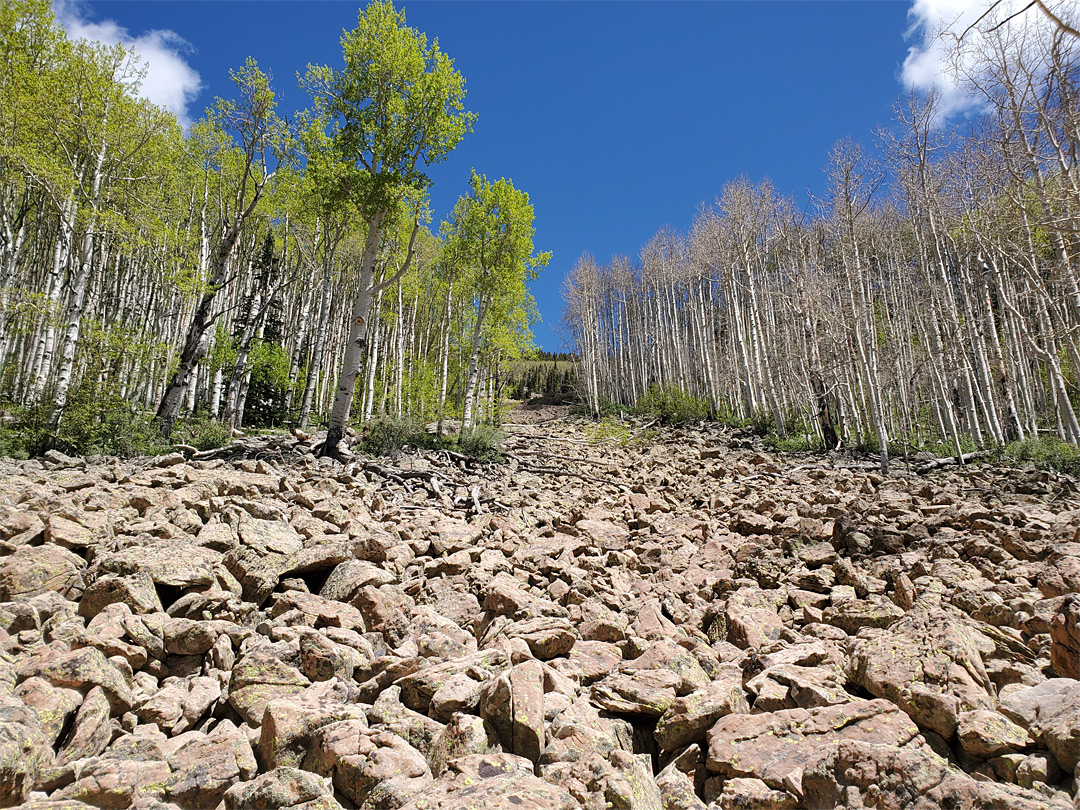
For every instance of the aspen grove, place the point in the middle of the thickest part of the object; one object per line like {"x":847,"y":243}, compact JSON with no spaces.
{"x":256,"y":268}
{"x":930,"y":297}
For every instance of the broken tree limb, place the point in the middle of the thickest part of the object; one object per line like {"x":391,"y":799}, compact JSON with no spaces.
{"x":948,"y":461}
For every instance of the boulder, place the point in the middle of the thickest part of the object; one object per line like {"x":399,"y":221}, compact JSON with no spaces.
{"x":854,"y":773}
{"x":775,"y":746}
{"x":282,"y":789}
{"x":31,"y":570}
{"x":204,"y":767}
{"x":373,"y":769}
{"x":492,"y":782}
{"x":929,"y":664}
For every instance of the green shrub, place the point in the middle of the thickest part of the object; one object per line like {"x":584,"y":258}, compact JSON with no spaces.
{"x":1045,"y":451}
{"x":202,"y":433}
{"x":793,"y":443}
{"x":482,"y":442}
{"x":611,"y":431}
{"x":93,"y":422}
{"x":762,"y":423}
{"x":385,"y":435}
{"x":672,"y":405}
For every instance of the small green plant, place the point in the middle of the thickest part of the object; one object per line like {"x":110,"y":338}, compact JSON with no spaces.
{"x":612,"y":431}
{"x":94,"y":422}
{"x":1045,"y":451}
{"x":793,"y":443}
{"x":384,"y":435}
{"x":203,"y":433}
{"x":482,"y":442}
{"x":672,"y":405}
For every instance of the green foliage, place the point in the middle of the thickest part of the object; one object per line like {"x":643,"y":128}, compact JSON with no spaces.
{"x":762,"y":423}
{"x":101,"y":424}
{"x":202,"y":433}
{"x":223,"y":353}
{"x":269,"y":364}
{"x":397,"y":105}
{"x":1045,"y":451}
{"x":266,"y":403}
{"x":482,"y":442}
{"x":541,"y":376}
{"x":611,"y":431}
{"x":672,"y":405}
{"x":421,"y":388}
{"x":385,"y":435}
{"x":94,"y":422}
{"x":489,"y":244}
{"x":793,"y":443}
{"x":608,"y":409}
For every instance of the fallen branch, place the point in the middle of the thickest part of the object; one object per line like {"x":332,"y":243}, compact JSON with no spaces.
{"x":948,"y":461}
{"x":400,"y":476}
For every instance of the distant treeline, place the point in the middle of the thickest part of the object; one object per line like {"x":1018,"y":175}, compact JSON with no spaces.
{"x":931,"y":297}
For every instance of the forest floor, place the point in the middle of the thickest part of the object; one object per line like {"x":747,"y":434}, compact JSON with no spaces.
{"x":641,"y":618}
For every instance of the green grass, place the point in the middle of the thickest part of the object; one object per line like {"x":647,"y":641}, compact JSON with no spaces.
{"x":671,"y":405}
{"x":797,"y":443}
{"x":612,"y":431}
{"x":101,"y":424}
{"x":1045,"y":451}
{"x":385,"y":435}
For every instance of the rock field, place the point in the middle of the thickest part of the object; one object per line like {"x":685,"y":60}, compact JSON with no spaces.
{"x":695,"y":623}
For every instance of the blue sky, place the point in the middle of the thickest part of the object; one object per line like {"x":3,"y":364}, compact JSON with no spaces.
{"x":616,"y":117}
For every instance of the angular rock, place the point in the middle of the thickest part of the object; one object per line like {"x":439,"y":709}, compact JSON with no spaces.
{"x":774,"y":746}
{"x":176,"y":563}
{"x":1051,"y":712}
{"x":373,"y":769}
{"x":753,"y":794}
{"x":649,"y":692}
{"x":54,"y":705}
{"x":989,"y":734}
{"x":912,"y":778}
{"x":928,"y":663}
{"x":463,"y":735}
{"x":257,"y":572}
{"x":24,"y":750}
{"x":547,"y":636}
{"x":689,"y":717}
{"x":527,"y":696}
{"x":1065,"y":638}
{"x":135,"y":590}
{"x":752,"y":618}
{"x":91,"y":732}
{"x":113,"y":784}
{"x":32,"y":570}
{"x":322,"y":612}
{"x":290,"y":723}
{"x":665,"y":656}
{"x":206,"y":766}
{"x":853,"y":616}
{"x":81,"y":669}
{"x":282,"y":789}
{"x":492,"y":782}
{"x":259,"y":678}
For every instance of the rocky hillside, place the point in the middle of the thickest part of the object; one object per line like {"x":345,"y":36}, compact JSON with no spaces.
{"x":693,"y":623}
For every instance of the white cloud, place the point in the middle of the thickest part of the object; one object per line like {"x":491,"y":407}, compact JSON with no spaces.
{"x":930,"y":63}
{"x":169,"y":82}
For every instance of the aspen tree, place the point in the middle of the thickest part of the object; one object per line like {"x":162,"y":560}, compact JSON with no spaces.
{"x":491,"y":231}
{"x":396,"y":106}
{"x":260,"y":133}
